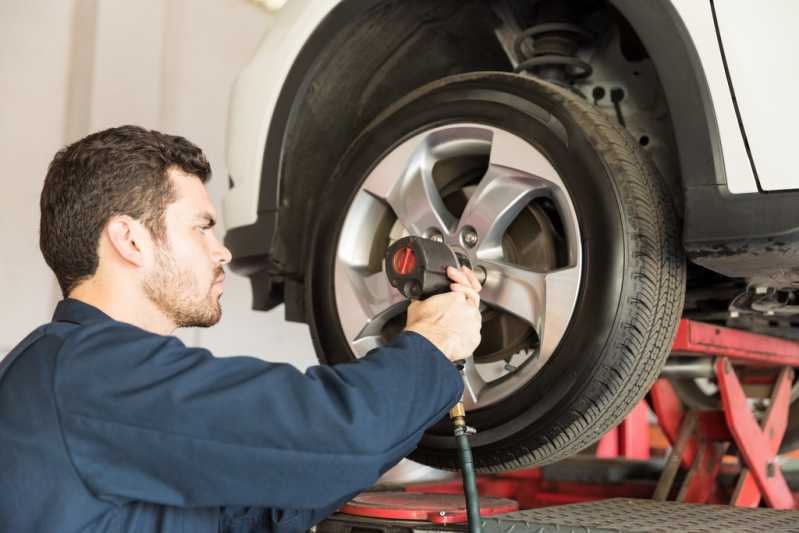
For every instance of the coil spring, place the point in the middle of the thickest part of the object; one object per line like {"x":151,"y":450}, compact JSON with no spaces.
{"x":555,"y":45}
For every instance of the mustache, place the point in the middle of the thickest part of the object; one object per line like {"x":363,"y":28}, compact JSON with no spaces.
{"x":219,"y":272}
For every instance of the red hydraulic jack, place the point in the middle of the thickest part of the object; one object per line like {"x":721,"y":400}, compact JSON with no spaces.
{"x":700,"y":438}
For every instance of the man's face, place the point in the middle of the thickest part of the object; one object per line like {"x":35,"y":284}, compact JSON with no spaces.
{"x":186,"y":277}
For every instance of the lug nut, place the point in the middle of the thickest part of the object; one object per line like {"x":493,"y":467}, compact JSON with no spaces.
{"x":480,"y":273}
{"x":434,"y":235}
{"x":469,"y":237}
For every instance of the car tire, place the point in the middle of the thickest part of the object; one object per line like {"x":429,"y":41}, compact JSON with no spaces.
{"x":631,"y":288}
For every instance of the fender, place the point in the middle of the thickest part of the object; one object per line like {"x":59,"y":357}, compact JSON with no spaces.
{"x":729,"y":225}
{"x":258,"y":120}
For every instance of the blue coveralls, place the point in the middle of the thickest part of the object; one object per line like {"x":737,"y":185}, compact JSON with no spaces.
{"x":107,"y":427}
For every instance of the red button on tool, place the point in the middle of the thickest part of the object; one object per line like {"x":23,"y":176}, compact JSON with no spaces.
{"x":404,"y":261}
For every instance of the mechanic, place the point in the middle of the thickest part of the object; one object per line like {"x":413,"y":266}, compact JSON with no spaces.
{"x":110,"y":423}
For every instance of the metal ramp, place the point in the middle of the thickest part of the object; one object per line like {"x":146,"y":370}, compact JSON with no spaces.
{"x":617,"y":515}
{"x":622,"y":515}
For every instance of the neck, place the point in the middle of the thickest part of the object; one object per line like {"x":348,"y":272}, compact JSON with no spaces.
{"x":124,"y":304}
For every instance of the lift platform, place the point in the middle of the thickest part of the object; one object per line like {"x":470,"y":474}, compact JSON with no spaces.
{"x":723,"y":472}
{"x":617,"y":515}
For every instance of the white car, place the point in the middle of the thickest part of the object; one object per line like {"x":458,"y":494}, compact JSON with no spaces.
{"x":590,"y":155}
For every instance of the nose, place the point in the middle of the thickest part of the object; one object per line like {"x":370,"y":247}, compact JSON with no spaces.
{"x":220,"y":252}
{"x":226,"y":255}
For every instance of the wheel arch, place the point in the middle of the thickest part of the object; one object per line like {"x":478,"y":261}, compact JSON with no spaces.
{"x":679,"y":68}
{"x":275,"y":247}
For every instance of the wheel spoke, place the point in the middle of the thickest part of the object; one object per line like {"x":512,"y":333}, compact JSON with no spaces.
{"x":404,"y":178}
{"x":512,"y":152}
{"x":516,"y":290}
{"x":501,"y":195}
{"x":384,"y":176}
{"x":416,"y":201}
{"x":561,"y":297}
{"x":379,"y":293}
{"x":364,"y":343}
{"x":366,"y":303}
{"x":473,"y":384}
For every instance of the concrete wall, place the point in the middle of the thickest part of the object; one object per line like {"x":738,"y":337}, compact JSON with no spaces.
{"x":70,"y":67}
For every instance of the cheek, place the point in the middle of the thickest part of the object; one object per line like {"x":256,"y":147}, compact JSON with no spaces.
{"x":188,"y":254}
{"x":188,"y":247}
{"x":182,"y":252}
{"x":196,"y":257}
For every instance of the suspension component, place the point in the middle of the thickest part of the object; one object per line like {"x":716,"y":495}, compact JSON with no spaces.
{"x":768,"y":301}
{"x":554,"y":51}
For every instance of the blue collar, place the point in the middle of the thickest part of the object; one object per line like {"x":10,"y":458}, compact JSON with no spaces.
{"x":77,"y":312}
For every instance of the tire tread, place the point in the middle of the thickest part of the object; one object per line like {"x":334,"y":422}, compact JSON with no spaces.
{"x":655,"y":291}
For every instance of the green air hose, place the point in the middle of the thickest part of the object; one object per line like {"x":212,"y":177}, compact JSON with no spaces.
{"x":457,"y":414}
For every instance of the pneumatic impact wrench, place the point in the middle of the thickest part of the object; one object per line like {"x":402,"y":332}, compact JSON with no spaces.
{"x":417,"y":267}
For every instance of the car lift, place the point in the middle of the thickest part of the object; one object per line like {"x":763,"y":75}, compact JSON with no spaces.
{"x":618,"y":489}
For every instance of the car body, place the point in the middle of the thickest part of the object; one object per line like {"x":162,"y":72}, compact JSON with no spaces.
{"x":732,"y":131}
{"x":703,"y":86}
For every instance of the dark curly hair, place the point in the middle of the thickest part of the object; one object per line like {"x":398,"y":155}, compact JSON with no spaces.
{"x":118,"y":171}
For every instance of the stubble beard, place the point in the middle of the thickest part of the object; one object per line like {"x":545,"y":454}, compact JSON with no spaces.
{"x":176,"y":293}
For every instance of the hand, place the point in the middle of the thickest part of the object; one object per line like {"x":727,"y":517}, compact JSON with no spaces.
{"x":451,"y":321}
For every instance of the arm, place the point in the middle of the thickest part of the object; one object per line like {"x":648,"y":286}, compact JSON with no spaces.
{"x":146,"y":418}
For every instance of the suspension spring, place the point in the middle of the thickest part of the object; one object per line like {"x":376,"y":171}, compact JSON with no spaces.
{"x":554,"y":51}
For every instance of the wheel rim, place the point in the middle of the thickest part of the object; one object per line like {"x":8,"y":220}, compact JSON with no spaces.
{"x":402,"y":195}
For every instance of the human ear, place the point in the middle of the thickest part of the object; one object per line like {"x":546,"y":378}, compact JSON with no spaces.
{"x":128,"y":238}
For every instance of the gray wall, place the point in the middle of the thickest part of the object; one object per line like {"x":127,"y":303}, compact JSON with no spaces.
{"x":70,"y":67}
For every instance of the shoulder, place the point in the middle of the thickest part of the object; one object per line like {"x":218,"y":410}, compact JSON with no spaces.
{"x":43,"y":337}
{"x":120,"y":344}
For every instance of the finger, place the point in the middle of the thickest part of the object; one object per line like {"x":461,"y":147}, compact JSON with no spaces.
{"x":471,"y":295}
{"x":413,"y":309}
{"x":476,"y":285}
{"x":473,"y":282}
{"x":447,"y":298}
{"x":474,"y":298}
{"x":459,"y":287}
{"x":457,"y":276}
